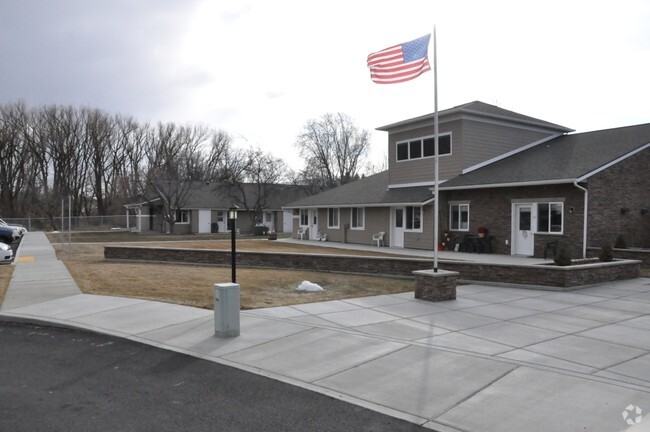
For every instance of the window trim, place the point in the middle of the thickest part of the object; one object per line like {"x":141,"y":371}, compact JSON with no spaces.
{"x":179,"y":217}
{"x":338,"y":217}
{"x":459,"y":221}
{"x":361,"y":210}
{"x":550,"y":205}
{"x":411,"y":220}
{"x":408,"y":143}
{"x":303,"y":212}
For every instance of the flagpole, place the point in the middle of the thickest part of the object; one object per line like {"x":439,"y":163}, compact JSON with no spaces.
{"x":435,"y":131}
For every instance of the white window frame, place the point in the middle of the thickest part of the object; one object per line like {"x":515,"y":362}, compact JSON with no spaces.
{"x":459,"y":221}
{"x":360,"y":211}
{"x":182,"y":217}
{"x":304,"y":217}
{"x":550,"y":206}
{"x":422,"y":139}
{"x":333,"y":212}
{"x":412,"y":220}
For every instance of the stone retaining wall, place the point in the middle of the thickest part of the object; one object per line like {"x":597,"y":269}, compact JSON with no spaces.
{"x":538,"y":275}
{"x":642,"y":255}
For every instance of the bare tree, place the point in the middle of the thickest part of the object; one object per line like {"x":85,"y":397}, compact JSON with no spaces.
{"x":252,"y":190}
{"x":377,"y":167}
{"x":99,"y":133}
{"x":334,"y":148}
{"x":16,"y":167}
{"x":177,"y":163}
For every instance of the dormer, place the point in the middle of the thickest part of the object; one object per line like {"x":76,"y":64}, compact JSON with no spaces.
{"x":469,"y":135}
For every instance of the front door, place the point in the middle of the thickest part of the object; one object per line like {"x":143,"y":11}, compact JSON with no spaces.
{"x":204,"y":220}
{"x":523,"y":238}
{"x":313,"y":224}
{"x":222,"y":221}
{"x":397,"y":234}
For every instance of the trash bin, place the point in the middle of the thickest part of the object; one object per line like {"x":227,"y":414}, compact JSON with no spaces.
{"x":214,"y":228}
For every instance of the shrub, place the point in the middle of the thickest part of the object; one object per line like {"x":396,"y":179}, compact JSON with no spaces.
{"x":606,"y":252}
{"x":620,"y":243}
{"x":563,"y":257}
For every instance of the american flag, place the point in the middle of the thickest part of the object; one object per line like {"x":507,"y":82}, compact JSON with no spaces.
{"x":401,"y":62}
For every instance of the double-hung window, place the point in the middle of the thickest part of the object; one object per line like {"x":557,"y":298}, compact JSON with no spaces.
{"x":304,"y":217}
{"x":413,"y":218}
{"x":357,"y":217}
{"x":332,"y":218}
{"x":182,"y":216}
{"x":459,"y":217}
{"x":550,"y":217}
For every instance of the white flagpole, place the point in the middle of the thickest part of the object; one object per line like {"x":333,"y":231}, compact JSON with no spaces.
{"x":435,"y":131}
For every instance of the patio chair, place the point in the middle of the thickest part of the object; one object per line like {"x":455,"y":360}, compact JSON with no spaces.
{"x":378,"y":238}
{"x":302,"y":232}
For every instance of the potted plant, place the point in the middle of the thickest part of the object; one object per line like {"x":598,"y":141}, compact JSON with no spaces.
{"x":482,"y":231}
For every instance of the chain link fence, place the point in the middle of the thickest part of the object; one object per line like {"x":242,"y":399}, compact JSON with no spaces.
{"x":76,"y":223}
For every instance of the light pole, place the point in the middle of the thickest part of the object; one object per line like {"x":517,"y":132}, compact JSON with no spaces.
{"x":232,"y":221}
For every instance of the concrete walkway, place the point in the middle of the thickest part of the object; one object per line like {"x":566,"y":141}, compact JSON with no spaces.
{"x":495,"y":359}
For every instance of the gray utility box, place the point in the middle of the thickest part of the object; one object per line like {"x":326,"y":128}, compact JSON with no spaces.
{"x":226,"y":310}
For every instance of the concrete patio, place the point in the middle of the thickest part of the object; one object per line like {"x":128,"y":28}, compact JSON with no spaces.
{"x":494,"y":359}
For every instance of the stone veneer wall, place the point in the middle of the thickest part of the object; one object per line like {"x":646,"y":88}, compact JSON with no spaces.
{"x":539,"y":275}
{"x":642,"y":255}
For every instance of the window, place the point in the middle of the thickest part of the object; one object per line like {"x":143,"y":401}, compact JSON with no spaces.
{"x":357,"y":218}
{"x":182,"y":216}
{"x":304,"y":217}
{"x":423,"y":147}
{"x":459,"y":217}
{"x":549,"y":217}
{"x":332,"y":218}
{"x":414,"y":218}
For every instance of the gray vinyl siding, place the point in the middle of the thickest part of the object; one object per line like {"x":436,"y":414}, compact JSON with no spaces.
{"x":424,"y":239}
{"x":376,"y":219}
{"x":483,"y":141}
{"x":473,"y":142}
{"x":422,"y":170}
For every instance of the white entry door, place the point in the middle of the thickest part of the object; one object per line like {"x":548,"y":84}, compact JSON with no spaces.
{"x":222,"y":221}
{"x":397,"y":229}
{"x":523,"y":239}
{"x":204,"y":221}
{"x":313,"y":224}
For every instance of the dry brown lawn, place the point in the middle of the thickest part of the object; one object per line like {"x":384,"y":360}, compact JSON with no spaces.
{"x":192,"y":285}
{"x":5,"y":276}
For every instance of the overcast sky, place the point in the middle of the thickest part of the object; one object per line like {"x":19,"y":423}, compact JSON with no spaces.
{"x":260,"y":69}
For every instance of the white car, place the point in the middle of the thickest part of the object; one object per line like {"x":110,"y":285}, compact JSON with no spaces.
{"x":6,"y":253}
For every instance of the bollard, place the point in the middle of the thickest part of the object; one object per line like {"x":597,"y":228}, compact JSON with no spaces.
{"x":226,"y":310}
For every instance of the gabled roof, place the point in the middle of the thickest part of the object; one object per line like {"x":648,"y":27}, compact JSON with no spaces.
{"x":223,"y":195}
{"x":366,"y":192}
{"x":564,"y":159}
{"x":480,"y":109}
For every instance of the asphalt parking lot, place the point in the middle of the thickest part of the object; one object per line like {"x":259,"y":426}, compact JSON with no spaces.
{"x":67,"y":380}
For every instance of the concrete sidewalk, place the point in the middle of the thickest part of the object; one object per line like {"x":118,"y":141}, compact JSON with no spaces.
{"x":495,"y":359}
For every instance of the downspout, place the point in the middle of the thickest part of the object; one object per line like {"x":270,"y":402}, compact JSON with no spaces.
{"x":584,"y":223}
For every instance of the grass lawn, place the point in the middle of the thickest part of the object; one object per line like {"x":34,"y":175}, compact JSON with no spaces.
{"x":192,"y":285}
